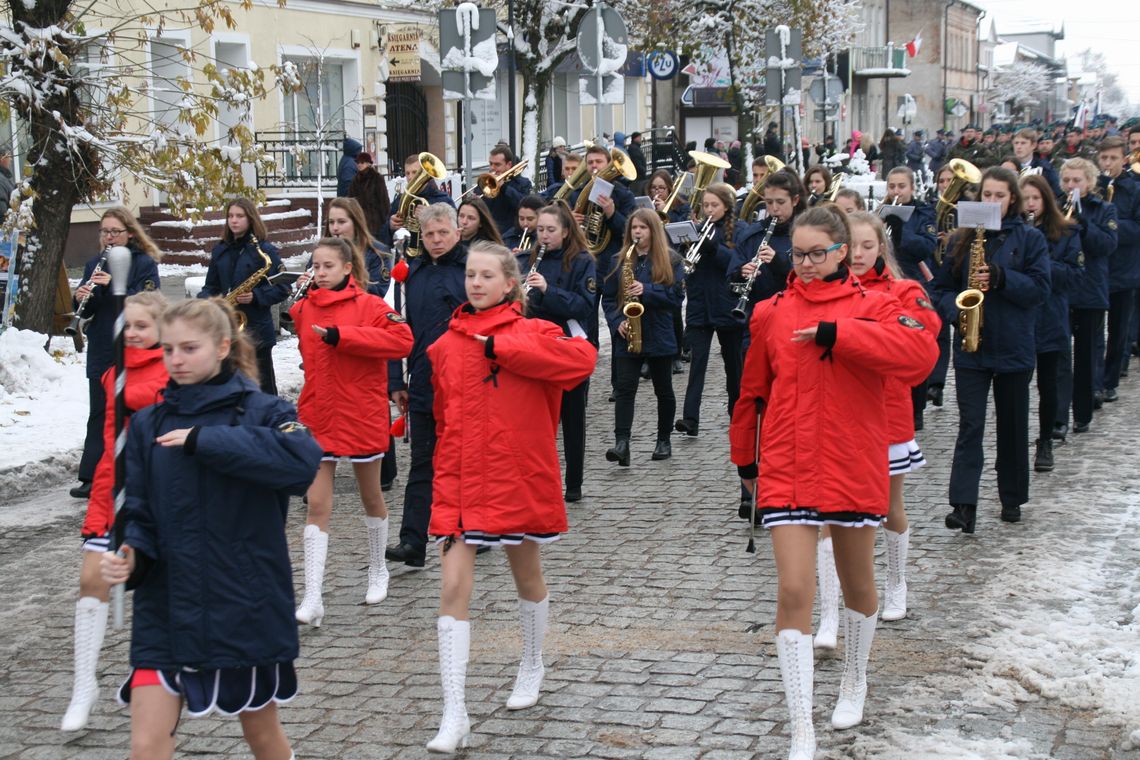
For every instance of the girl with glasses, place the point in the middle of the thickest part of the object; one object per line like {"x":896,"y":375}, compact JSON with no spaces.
{"x":814,"y":347}
{"x":118,"y":227}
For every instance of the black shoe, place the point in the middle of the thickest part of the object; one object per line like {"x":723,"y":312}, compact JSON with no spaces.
{"x":934,"y":395}
{"x":663,"y":450}
{"x":611,"y":397}
{"x":1011,"y":514}
{"x":1043,"y":459}
{"x":744,"y":512}
{"x":678,"y":368}
{"x":386,"y":487}
{"x":1124,"y":371}
{"x":689,"y":427}
{"x":644,"y":371}
{"x":687,"y":355}
{"x":1098,"y":399}
{"x":81,"y":491}
{"x":918,"y":423}
{"x":619,"y":453}
{"x":405,"y":553}
{"x":573,"y":494}
{"x":1060,"y":431}
{"x":962,"y":518}
{"x":1111,"y":395}
{"x":1080,"y":427}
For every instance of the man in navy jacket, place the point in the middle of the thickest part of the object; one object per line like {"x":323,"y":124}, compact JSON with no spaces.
{"x":504,"y":206}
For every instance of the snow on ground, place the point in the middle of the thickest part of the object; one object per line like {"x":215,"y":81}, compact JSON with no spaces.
{"x":184,"y":270}
{"x":43,"y":410}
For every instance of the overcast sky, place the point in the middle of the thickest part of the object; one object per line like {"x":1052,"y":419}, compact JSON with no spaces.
{"x":1109,"y":26}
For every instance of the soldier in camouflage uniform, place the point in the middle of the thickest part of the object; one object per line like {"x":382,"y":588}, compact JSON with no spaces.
{"x":969,"y":147}
{"x":1074,"y":147}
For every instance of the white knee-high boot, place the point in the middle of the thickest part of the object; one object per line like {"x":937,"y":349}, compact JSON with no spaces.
{"x":377,"y":566}
{"x":90,"y":625}
{"x":312,"y":609}
{"x":454,"y":648}
{"x":894,"y":594}
{"x":797,"y":667}
{"x":858,"y":634}
{"x":827,"y":635}
{"x":532,"y":622}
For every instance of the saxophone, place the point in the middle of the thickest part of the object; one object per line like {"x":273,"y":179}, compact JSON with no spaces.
{"x":633,"y":308}
{"x":970,"y":300}
{"x":250,"y":282}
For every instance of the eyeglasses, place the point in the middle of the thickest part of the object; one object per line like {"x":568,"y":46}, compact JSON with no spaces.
{"x":816,"y":255}
{"x":112,"y":233}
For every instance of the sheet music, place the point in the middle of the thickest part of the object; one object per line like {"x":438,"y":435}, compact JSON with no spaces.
{"x":973,"y":213}
{"x":601,"y":189}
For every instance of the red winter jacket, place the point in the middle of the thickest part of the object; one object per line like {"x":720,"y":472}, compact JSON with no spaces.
{"x":823,"y":436}
{"x":344,"y":401}
{"x":915,"y":303}
{"x":146,"y":377}
{"x":496,"y":465}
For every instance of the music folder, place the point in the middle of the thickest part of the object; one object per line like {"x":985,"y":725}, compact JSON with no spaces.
{"x":974,"y":213}
{"x":682,"y":233}
{"x":284,"y":278}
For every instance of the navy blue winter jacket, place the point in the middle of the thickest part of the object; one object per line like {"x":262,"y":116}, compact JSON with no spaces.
{"x":569,"y":294}
{"x":504,"y":207}
{"x":624,"y":205}
{"x":710,"y":301}
{"x":1124,"y":264}
{"x":660,"y":301}
{"x":231,"y":264}
{"x":101,"y":309}
{"x":214,"y":584}
{"x":1098,"y":228}
{"x":432,"y":293}
{"x":346,"y":169}
{"x":914,"y":241}
{"x":1065,"y":271}
{"x":773,"y":276}
{"x":1019,"y":283}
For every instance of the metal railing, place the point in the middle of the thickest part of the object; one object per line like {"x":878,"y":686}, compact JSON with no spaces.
{"x":295,"y":156}
{"x":877,"y":58}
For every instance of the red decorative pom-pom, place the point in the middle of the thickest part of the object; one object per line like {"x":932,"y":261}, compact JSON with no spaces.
{"x":400,"y":271}
{"x":398,"y":427}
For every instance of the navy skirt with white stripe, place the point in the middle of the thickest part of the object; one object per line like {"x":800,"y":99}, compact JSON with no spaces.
{"x":228,"y":691}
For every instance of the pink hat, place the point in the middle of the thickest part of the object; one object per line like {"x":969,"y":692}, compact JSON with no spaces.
{"x":856,"y":135}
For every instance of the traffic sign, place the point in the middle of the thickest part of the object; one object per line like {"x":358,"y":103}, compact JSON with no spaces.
{"x":614,"y":45}
{"x":468,"y":54}
{"x":663,"y":64}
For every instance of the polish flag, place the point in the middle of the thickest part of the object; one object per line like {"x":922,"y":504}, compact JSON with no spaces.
{"x":914,"y":45}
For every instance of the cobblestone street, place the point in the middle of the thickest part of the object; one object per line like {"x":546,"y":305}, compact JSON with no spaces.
{"x":1022,"y":640}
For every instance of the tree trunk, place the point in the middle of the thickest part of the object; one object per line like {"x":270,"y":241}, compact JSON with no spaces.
{"x":534,"y":98}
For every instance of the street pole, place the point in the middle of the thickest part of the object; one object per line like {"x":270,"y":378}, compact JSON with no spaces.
{"x":511,"y":71}
{"x":600,"y":77}
{"x":468,"y":178}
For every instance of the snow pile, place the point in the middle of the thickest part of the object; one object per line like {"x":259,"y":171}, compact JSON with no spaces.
{"x":895,"y":744}
{"x":43,"y":411}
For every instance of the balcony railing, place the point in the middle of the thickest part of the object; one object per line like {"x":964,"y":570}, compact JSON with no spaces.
{"x":296,"y":156}
{"x":879,"y":62}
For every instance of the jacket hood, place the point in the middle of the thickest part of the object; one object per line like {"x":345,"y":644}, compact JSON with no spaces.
{"x":329,"y":296}
{"x":468,"y":321}
{"x":840,"y":285}
{"x":351,"y":147}
{"x":195,"y":399}
{"x":140,"y":357}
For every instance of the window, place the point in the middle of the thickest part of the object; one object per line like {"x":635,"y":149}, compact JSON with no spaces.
{"x":168,"y":69}
{"x":323,"y":80}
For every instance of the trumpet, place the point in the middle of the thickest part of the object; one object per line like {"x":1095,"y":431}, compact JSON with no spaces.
{"x":693,"y":255}
{"x":524,"y":241}
{"x":755,"y":194}
{"x":533,"y":268}
{"x":493,"y":184}
{"x":744,"y":289}
{"x":1073,"y":204}
{"x":79,"y":320}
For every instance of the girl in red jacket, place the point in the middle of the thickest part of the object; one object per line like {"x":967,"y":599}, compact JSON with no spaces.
{"x":873,"y":262}
{"x":498,"y":380}
{"x":146,"y":377}
{"x":819,"y":350}
{"x":346,"y":335}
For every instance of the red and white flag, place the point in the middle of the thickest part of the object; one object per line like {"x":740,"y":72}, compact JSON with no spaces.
{"x":914,"y":45}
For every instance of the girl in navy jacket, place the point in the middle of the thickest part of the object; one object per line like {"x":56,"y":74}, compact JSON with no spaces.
{"x":117,"y":227}
{"x":709,"y":307}
{"x":209,"y":475}
{"x":659,"y":286}
{"x":563,"y":291}
{"x":1052,"y":333}
{"x":234,"y":260}
{"x":1016,"y":276}
{"x":346,"y":335}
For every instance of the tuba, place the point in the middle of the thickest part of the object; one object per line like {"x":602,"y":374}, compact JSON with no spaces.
{"x":970,"y":300}
{"x":707,"y":167}
{"x":755,"y":194}
{"x":597,"y":230}
{"x":249,"y":283}
{"x":633,"y":308}
{"x":430,"y":168}
{"x":946,"y":212}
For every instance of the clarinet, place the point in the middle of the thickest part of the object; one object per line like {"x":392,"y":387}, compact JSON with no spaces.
{"x":534,"y":268}
{"x":79,"y":320}
{"x":744,"y":289}
{"x":302,"y":290}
